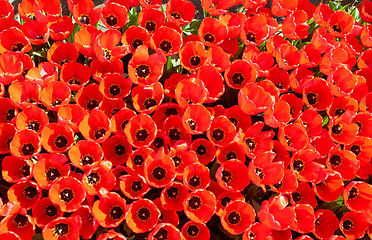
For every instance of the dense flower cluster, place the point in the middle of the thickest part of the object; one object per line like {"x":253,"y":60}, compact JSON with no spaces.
{"x":133,"y":120}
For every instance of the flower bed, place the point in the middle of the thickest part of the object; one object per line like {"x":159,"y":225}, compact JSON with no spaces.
{"x":133,"y":120}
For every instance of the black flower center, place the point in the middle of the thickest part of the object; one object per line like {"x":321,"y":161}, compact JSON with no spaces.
{"x":195,"y":61}
{"x":52,"y":174}
{"x":20,"y":220}
{"x":348,"y":225}
{"x":123,"y":124}
{"x":114,"y":90}
{"x":336,"y":160}
{"x":234,"y":218}
{"x":174,"y":134}
{"x":143,"y":71}
{"x":298,"y":165}
{"x":66,"y":195}
{"x":225,"y":201}
{"x":141,"y":135}
{"x":177,"y":160}
{"x":218,"y":134}
{"x":56,"y":102}
{"x":161,"y":234}
{"x":238,"y":78}
{"x":226,"y":176}
{"x":192,"y":231}
{"x":209,"y":37}
{"x":251,"y":37}
{"x":339,"y":111}
{"x":87,"y":160}
{"x":92,"y":103}
{"x":84,"y":19}
{"x":158,"y":142}
{"x":136,"y":43}
{"x":166,"y":46}
{"x":119,"y":150}
{"x":136,"y":186}
{"x":171,"y":111}
{"x":99,"y":133}
{"x":251,"y":143}
{"x":194,"y":202}
{"x":259,"y":171}
{"x":192,"y":124}
{"x":356,"y":149}
{"x":312,"y":98}
{"x":353,"y":193}
{"x":231,"y":155}
{"x":10,"y":114}
{"x":337,"y":28}
{"x":107,"y":54}
{"x":61,"y":229}
{"x":150,"y":26}
{"x":33,"y":125}
{"x":74,"y":81}
{"x":60,"y":141}
{"x":51,"y":211}
{"x":116,"y":212}
{"x":201,"y":150}
{"x":143,"y":214}
{"x":25,"y":170}
{"x":30,"y":192}
{"x":159,"y":173}
{"x":17,"y":47}
{"x":111,"y":20}
{"x":176,"y":15}
{"x":138,"y":160}
{"x":93,"y":178}
{"x":296,"y":196}
{"x":28,"y":149}
{"x":194,"y":181}
{"x":172,"y":192}
{"x":337,"y":129}
{"x":149,"y":102}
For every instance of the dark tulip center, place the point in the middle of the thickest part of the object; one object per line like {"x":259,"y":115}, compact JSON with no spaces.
{"x":337,"y":28}
{"x":17,"y":47}
{"x":193,"y":231}
{"x":159,"y":173}
{"x":176,"y":15}
{"x":251,"y":37}
{"x":195,"y":202}
{"x":162,"y":234}
{"x":171,"y":111}
{"x":348,"y":225}
{"x":33,"y":125}
{"x":52,"y":174}
{"x":20,"y":220}
{"x":149,"y":102}
{"x":61,"y":141}
{"x":194,"y":181}
{"x":25,"y":170}
{"x":92,"y":103}
{"x":30,"y":192}
{"x":136,"y":43}
{"x":10,"y":114}
{"x":166,"y":46}
{"x":51,"y":211}
{"x":225,"y":201}
{"x":231,"y":155}
{"x":56,"y":102}
{"x":234,"y":218}
{"x":209,"y":37}
{"x":61,"y":229}
{"x":158,"y":142}
{"x":174,"y":134}
{"x":336,"y":160}
{"x":136,"y":186}
{"x":141,"y":135}
{"x":201,"y":150}
{"x":226,"y":176}
{"x":356,"y":149}
{"x":296,"y":196}
{"x":107,"y":54}
{"x":195,"y":61}
{"x":93,"y":178}
{"x":177,"y":161}
{"x":28,"y":149}
{"x":138,"y":160}
{"x":84,"y":19}
{"x":99,"y":133}
{"x":173,"y":192}
{"x":111,"y":20}
{"x":143,"y":214}
{"x":260,"y":173}
{"x":116,"y":212}
{"x":150,"y":26}
{"x":337,"y":129}
{"x":114,"y":90}
{"x":66,"y":195}
{"x":119,"y":150}
{"x":298,"y":165}
{"x":353,"y":193}
{"x":218,"y":134}
{"x":339,"y":111}
{"x":238,"y":78}
{"x":87,"y":160}
{"x":251,"y":143}
{"x":143,"y":71}
{"x":312,"y":98}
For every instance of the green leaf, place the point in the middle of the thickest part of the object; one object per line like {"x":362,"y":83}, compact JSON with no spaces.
{"x":325,"y":120}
